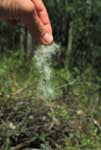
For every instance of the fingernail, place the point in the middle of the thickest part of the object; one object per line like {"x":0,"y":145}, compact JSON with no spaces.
{"x":48,"y":38}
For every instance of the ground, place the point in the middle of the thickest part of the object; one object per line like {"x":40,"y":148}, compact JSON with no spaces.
{"x":71,"y":121}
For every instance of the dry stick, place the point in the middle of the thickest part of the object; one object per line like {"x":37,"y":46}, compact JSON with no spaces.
{"x":58,"y":146}
{"x":20,"y":90}
{"x":97,"y":124}
{"x":53,"y":118}
{"x":22,"y":145}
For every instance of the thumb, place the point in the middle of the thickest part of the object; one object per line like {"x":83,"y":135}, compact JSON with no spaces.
{"x":38,"y":29}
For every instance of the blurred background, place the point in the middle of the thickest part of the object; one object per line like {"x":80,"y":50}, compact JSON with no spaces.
{"x":76,"y":26}
{"x":72,"y":120}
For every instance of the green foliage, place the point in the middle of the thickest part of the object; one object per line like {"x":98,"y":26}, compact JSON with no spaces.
{"x":86,"y":21}
{"x":15,"y":72}
{"x":72,"y":121}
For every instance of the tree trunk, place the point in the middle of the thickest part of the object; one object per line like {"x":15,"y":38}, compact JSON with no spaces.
{"x":29,"y":45}
{"x":22,"y":39}
{"x":69,"y":46}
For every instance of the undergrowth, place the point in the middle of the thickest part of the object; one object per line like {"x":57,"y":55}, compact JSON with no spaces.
{"x":71,"y":121}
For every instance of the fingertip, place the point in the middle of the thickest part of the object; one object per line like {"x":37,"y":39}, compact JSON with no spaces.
{"x":46,"y":39}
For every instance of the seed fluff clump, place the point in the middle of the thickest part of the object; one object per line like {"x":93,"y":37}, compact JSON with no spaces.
{"x":43,"y":59}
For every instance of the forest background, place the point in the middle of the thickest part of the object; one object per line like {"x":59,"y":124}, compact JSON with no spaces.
{"x":71,"y":119}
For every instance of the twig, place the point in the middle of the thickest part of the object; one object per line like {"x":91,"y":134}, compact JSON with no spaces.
{"x":66,"y":85}
{"x":20,"y":90}
{"x":58,"y":146}
{"x":22,"y":145}
{"x":97,"y":124}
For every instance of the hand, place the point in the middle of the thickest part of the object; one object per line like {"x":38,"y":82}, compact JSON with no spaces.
{"x":32,"y":13}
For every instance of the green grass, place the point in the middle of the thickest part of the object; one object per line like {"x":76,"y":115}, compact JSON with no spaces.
{"x":72,"y":121}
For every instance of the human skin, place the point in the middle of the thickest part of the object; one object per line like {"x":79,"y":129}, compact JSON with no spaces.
{"x":32,"y":13}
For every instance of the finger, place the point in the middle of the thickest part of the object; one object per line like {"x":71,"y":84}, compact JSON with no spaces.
{"x":38,"y":30}
{"x":43,"y":15}
{"x":46,"y":23}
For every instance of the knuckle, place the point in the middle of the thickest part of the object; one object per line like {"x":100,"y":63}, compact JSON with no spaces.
{"x":30,"y":9}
